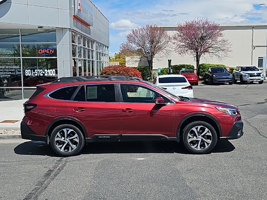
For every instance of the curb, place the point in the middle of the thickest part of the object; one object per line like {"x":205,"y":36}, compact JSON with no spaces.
{"x":9,"y":133}
{"x":5,"y":136}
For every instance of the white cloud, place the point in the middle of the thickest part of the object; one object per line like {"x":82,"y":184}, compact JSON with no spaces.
{"x":173,"y":12}
{"x":123,"y":24}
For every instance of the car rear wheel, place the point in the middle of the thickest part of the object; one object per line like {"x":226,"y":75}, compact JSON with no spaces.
{"x":67,"y":140}
{"x":199,"y":137}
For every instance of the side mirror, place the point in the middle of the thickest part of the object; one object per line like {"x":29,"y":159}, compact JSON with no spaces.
{"x":160,"y":101}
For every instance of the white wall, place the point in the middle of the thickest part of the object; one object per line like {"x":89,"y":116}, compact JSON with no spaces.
{"x":240,"y":37}
{"x":29,"y":13}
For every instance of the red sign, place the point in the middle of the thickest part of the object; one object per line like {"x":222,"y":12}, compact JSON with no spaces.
{"x":46,"y":51}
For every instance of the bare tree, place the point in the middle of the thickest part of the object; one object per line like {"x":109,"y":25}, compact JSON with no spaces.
{"x":146,"y":41}
{"x":199,"y":37}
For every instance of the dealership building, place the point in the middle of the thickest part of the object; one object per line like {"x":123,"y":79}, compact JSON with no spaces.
{"x":247,"y":46}
{"x":42,"y":40}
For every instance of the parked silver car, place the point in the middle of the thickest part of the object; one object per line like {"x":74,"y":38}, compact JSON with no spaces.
{"x":247,"y":74}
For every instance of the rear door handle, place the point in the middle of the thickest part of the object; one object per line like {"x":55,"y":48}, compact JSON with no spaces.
{"x":79,"y":109}
{"x":128,"y":110}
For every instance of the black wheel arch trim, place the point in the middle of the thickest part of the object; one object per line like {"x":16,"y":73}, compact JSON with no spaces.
{"x":198,"y":115}
{"x":61,"y":119}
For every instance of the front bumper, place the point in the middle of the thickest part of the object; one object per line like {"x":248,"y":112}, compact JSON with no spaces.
{"x":27,"y":133}
{"x":236,"y":131}
{"x":222,"y":80}
{"x":252,"y":79}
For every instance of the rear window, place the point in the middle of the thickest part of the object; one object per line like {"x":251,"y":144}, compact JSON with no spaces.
{"x":188,"y":72}
{"x":172,"y":80}
{"x":64,"y":93}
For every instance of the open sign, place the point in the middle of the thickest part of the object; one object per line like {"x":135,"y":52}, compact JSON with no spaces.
{"x":46,"y":51}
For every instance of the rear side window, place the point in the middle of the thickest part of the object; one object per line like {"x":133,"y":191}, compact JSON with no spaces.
{"x":100,"y":93}
{"x":64,"y":93}
{"x":172,"y":80}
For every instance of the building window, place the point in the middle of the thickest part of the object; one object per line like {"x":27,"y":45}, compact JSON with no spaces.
{"x":87,"y":54}
{"x":27,"y":57}
{"x":260,"y":62}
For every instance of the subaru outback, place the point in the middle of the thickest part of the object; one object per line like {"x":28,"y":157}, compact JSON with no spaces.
{"x":73,"y":111}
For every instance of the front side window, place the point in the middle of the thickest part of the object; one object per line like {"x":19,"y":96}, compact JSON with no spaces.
{"x":138,"y":94}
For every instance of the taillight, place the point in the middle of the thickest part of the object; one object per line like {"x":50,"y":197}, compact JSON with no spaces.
{"x":188,"y":87}
{"x":29,"y":106}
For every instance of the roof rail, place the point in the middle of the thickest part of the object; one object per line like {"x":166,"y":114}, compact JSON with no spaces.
{"x":95,"y":78}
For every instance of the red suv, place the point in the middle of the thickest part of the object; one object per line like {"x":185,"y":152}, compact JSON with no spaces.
{"x":71,"y":111}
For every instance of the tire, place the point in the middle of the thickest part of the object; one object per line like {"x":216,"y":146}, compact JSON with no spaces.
{"x":234,"y":80}
{"x":67,"y":140}
{"x":241,"y":80}
{"x":260,"y":82}
{"x":195,"y":141}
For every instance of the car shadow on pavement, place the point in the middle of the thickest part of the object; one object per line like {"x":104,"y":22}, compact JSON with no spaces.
{"x":40,"y":148}
{"x":149,"y":147}
{"x":34,"y":148}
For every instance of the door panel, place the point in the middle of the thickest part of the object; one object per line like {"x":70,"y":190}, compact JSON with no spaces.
{"x":140,"y":114}
{"x":148,"y":118}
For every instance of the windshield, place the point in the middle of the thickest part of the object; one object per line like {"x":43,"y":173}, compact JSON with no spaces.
{"x":168,"y":94}
{"x":249,"y":69}
{"x":172,"y":80}
{"x":218,"y":70}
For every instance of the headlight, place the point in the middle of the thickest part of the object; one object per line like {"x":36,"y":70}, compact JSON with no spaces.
{"x":228,"y":111}
{"x":245,"y":75}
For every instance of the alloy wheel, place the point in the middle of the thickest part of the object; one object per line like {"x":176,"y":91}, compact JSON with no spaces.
{"x":67,"y":140}
{"x":199,"y":138}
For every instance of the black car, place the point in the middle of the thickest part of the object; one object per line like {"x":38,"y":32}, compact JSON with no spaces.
{"x":218,"y":75}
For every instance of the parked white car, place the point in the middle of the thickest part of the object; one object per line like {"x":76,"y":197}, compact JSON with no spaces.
{"x":247,"y":74}
{"x":176,"y":84}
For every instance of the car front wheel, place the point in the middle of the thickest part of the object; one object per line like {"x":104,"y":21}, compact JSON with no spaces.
{"x":199,"y":137}
{"x":67,"y":140}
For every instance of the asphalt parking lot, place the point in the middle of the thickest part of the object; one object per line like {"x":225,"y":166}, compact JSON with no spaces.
{"x":236,"y":169}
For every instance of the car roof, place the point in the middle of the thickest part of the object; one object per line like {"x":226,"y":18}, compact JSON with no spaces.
{"x":171,"y":75}
{"x":94,"y":78}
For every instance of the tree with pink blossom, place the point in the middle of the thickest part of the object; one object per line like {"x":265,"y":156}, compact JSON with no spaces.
{"x":199,"y":37}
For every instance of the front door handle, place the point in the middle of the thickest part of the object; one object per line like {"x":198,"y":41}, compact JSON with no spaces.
{"x":79,"y":109}
{"x":128,"y":110}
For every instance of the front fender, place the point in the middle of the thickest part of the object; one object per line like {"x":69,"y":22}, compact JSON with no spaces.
{"x":200,"y":117}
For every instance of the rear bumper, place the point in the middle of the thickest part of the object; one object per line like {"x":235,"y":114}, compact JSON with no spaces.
{"x":27,"y":133}
{"x":236,"y":131}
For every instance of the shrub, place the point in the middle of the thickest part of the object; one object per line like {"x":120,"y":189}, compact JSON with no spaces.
{"x":144,"y":71}
{"x":177,"y":68}
{"x":163,"y":71}
{"x":121,"y":70}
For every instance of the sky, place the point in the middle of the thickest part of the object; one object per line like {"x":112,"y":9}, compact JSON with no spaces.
{"x":125,"y":15}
